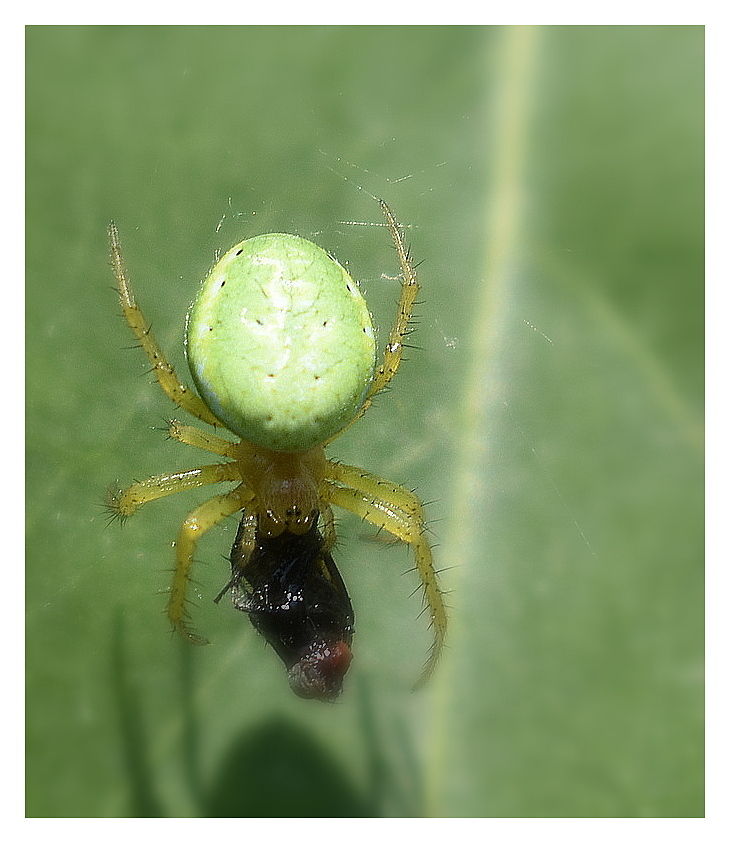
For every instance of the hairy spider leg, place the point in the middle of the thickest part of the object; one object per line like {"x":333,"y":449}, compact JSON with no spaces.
{"x":393,"y":353}
{"x":328,"y":526}
{"x":376,"y":487}
{"x":245,"y":542}
{"x":185,"y":398}
{"x":195,"y":525}
{"x":399,"y":512}
{"x":127,"y":502}
{"x":408,"y":293}
{"x":190,"y":435}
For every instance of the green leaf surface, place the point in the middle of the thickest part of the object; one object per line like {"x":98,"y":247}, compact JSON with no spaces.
{"x":551,"y":415}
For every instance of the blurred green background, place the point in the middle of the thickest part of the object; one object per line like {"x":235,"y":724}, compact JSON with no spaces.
{"x":552,"y":184}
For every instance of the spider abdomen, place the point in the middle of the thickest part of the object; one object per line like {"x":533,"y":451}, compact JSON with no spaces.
{"x":280,"y":343}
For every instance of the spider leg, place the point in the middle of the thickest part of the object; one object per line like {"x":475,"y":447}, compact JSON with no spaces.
{"x":376,"y":487}
{"x":185,"y":398}
{"x":126,"y":503}
{"x":398,"y":511}
{"x":328,"y":528}
{"x":190,"y":435}
{"x":394,"y":349}
{"x":408,"y":293}
{"x":196,"y":524}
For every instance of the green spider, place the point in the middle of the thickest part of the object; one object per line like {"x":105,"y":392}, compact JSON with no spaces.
{"x":281,"y":347}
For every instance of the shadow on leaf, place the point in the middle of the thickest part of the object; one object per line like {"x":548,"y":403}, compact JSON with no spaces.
{"x":277,"y":770}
